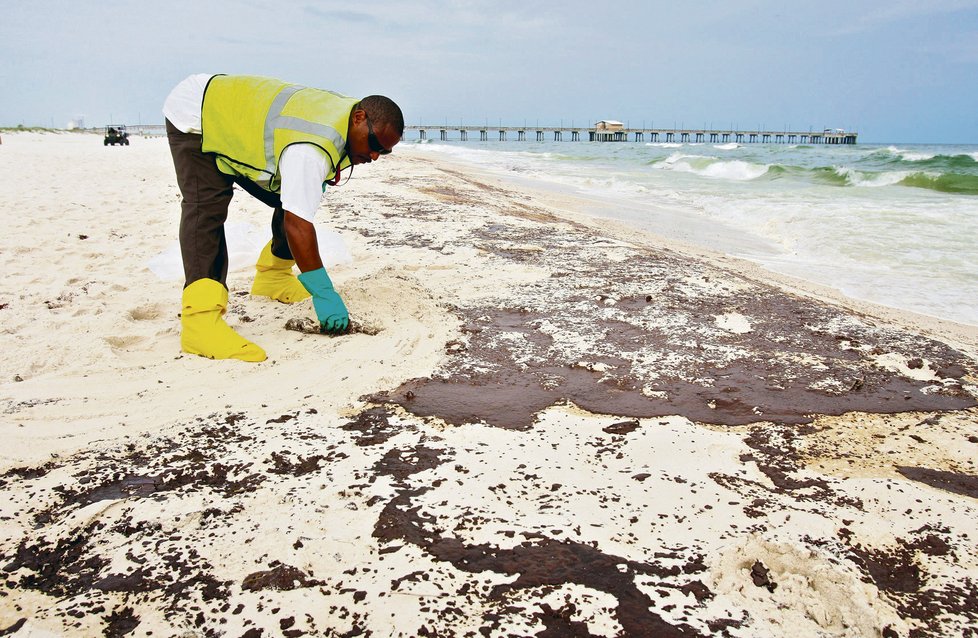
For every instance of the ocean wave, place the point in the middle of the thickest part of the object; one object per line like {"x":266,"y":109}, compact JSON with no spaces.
{"x":736,"y":170}
{"x":870,"y":179}
{"x":928,"y":159}
{"x":708,"y":166}
{"x":944,"y":183}
{"x":931,"y":180}
{"x":727,"y":147}
{"x":778,"y":171}
{"x":951,"y":163}
{"x":909,"y":156}
{"x":836,"y":176}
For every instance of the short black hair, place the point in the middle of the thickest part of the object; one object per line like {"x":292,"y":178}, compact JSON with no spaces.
{"x":383,"y":110}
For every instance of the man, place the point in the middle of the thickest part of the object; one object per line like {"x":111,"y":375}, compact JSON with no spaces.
{"x":282,"y":143}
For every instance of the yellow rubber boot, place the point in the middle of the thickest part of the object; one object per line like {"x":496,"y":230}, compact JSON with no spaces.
{"x":274,"y":278}
{"x":204,"y":331}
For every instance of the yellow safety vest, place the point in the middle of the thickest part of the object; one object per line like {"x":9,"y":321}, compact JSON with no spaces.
{"x":248,"y":121}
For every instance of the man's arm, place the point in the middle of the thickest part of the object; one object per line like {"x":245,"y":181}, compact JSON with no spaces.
{"x":330,"y":309}
{"x":304,"y":168}
{"x":303,"y":171}
{"x":302,"y":242}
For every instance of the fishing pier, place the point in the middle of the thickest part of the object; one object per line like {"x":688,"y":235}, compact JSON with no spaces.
{"x":607,"y":131}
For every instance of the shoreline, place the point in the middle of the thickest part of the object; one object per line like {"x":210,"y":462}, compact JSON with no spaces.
{"x":546,"y":428}
{"x":574,"y":207}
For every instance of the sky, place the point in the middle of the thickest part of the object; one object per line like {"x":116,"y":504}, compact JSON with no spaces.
{"x":895,"y":71}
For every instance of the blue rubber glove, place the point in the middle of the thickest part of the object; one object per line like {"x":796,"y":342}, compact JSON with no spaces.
{"x":330,"y":309}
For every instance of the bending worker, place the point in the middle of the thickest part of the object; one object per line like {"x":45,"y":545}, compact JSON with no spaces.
{"x":283,"y":144}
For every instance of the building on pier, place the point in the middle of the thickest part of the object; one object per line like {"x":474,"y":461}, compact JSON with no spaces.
{"x":608,"y":131}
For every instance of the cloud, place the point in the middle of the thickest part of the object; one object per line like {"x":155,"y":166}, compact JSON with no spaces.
{"x":882,"y":15}
{"x":342,"y":15}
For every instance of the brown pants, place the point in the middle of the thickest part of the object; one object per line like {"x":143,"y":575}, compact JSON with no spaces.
{"x":206,"y":195}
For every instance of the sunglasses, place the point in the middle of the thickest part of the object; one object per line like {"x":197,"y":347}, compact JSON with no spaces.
{"x":372,"y":140}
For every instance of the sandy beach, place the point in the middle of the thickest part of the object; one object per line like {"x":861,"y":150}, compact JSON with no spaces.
{"x":546,"y":425}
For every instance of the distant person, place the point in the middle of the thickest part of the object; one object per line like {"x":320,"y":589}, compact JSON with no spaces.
{"x":282,"y":143}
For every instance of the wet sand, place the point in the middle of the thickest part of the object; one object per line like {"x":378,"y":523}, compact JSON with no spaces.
{"x":550,"y":425}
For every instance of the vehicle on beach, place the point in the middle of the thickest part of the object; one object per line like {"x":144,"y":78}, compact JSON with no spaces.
{"x":116,"y":134}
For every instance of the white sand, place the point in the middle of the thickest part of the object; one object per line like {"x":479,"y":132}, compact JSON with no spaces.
{"x":96,"y":394}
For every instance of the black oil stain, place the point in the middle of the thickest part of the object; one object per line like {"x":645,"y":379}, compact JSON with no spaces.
{"x":279,"y":578}
{"x":954,"y":482}
{"x":801,"y":358}
{"x":503,"y":386}
{"x":897,"y":572}
{"x":538,"y":562}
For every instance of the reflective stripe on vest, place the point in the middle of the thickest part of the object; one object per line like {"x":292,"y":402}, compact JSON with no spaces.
{"x":234,"y":106}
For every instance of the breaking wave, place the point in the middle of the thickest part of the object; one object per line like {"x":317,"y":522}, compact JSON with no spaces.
{"x":946,"y":183}
{"x":929,"y":159}
{"x":931,"y":180}
{"x":713,"y":167}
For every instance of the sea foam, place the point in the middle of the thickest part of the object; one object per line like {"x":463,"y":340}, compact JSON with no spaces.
{"x":854,"y":177}
{"x":708,"y":166}
{"x":910,"y":156}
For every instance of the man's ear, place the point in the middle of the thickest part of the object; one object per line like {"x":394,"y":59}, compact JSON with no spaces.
{"x":359,"y":115}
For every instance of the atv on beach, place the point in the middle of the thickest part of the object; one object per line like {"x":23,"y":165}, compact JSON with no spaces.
{"x":116,"y":134}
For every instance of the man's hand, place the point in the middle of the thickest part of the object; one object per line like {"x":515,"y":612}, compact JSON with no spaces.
{"x":330,"y":309}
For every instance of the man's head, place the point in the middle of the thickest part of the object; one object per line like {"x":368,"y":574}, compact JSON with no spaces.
{"x":376,"y":125}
